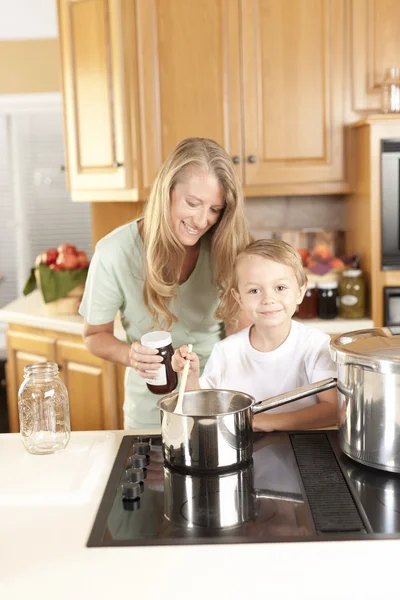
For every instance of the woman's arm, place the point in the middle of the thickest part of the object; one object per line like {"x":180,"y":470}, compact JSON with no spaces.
{"x":323,"y":414}
{"x":100,"y":341}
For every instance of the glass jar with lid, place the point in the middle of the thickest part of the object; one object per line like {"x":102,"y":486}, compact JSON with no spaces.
{"x":391,"y":90}
{"x":352,"y":294}
{"x":327,"y":299}
{"x":308,"y":309}
{"x":43,"y":409}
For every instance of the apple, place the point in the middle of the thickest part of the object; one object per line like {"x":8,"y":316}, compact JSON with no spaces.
{"x":50,"y":256}
{"x":67,"y":249}
{"x":82,"y":260}
{"x":55,"y":267}
{"x":67,"y":261}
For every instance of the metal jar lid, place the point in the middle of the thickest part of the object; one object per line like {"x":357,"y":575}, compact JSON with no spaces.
{"x":376,"y":349}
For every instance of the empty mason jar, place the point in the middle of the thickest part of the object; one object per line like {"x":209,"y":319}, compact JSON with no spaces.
{"x":43,"y":409}
{"x":391,"y":91}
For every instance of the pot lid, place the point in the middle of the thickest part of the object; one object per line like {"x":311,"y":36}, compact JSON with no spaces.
{"x":377,"y":349}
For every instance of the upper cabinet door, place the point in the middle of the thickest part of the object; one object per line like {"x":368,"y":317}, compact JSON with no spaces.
{"x":374,"y":40}
{"x":97,"y":130}
{"x":188,"y":77}
{"x":293,"y":76}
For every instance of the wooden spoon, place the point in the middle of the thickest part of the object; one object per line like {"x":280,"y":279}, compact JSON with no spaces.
{"x":179,"y":403}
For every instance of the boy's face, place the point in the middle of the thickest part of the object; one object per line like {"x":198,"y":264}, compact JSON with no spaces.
{"x":268,"y":291}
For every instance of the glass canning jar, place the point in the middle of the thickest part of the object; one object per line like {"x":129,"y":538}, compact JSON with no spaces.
{"x":352,"y":294}
{"x":308,"y":309}
{"x":43,"y":409}
{"x":327,"y":299}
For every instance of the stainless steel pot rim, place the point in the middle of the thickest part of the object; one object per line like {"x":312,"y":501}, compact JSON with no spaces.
{"x":377,"y":349}
{"x":162,"y":404}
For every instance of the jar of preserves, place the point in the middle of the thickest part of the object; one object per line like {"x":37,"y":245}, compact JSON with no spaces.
{"x":308,"y":309}
{"x":352,"y":294}
{"x":43,"y":409}
{"x":166,"y":379}
{"x":327,"y":299}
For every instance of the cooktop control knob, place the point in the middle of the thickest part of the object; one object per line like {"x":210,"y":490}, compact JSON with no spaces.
{"x":131,"y":490}
{"x":141,"y":448}
{"x":135,"y":475}
{"x":138,"y":461}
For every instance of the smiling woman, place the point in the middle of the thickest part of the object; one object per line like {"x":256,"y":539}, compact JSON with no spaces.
{"x":158,"y":272}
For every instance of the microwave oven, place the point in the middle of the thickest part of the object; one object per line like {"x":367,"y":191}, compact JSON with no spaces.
{"x":391,"y":306}
{"x":390,"y":203}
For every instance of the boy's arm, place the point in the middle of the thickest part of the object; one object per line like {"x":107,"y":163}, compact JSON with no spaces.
{"x":323,"y":414}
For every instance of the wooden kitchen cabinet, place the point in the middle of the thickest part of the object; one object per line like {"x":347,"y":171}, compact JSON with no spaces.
{"x":373,"y":46}
{"x":293,"y":77}
{"x":93,"y":384}
{"x":273,"y":81}
{"x":92,"y":387}
{"x":264,"y":78}
{"x":188,"y":76}
{"x":97,"y":101}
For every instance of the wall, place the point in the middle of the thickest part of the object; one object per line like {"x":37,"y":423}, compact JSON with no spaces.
{"x":29,"y":54}
{"x":295,"y":212}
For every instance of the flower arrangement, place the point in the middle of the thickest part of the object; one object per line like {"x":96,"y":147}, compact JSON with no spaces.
{"x":320,"y":261}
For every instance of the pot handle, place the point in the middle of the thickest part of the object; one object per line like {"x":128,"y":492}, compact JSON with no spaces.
{"x":297,"y":394}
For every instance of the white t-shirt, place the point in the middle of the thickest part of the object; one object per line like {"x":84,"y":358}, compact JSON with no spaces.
{"x":303,"y":358}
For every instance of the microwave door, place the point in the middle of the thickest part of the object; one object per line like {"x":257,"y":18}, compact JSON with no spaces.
{"x":390,"y":204}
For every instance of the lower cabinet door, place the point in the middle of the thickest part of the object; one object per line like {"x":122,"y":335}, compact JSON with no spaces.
{"x":23,"y":349}
{"x":92,"y":387}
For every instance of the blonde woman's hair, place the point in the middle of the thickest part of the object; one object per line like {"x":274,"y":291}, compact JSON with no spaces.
{"x":164,"y":253}
{"x":276,"y":250}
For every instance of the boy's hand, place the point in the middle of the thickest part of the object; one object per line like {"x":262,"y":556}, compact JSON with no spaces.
{"x":263,"y":423}
{"x":179,"y":359}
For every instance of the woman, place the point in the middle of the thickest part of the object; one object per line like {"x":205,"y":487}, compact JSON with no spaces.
{"x":167,"y":270}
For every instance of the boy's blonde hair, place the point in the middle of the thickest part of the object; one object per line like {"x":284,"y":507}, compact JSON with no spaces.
{"x":276,"y":250}
{"x":163,"y":252}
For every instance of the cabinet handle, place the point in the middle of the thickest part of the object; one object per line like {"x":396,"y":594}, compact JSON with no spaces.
{"x":251,"y":158}
{"x":235,"y":160}
{"x":117,"y":164}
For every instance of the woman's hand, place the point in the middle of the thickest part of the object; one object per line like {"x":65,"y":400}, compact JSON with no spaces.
{"x":179,"y":360}
{"x":144,"y":360}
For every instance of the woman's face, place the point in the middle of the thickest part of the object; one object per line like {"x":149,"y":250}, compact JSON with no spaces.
{"x":196,"y":205}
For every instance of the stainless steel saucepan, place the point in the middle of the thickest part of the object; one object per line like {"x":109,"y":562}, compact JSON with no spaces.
{"x":368,"y":367}
{"x":215,"y":429}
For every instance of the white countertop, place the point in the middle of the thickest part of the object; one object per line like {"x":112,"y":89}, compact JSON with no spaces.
{"x":30,"y":310}
{"x":47,"y":508}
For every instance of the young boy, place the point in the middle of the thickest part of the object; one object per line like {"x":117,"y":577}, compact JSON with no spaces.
{"x":275,"y":354}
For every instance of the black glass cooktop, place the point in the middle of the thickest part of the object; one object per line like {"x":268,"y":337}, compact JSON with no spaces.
{"x":297,"y":487}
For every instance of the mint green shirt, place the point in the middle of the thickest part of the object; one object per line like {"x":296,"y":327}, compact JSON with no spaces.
{"x":115,"y":283}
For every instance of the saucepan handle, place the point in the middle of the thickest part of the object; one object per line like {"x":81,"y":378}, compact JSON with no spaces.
{"x":297,"y":394}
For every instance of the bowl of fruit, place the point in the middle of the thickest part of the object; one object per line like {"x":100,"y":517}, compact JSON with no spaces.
{"x":60,"y":275}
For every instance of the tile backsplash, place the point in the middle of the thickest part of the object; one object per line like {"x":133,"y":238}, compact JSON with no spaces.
{"x":294,"y":212}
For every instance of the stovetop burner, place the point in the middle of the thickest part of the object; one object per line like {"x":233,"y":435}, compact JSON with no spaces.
{"x":297,"y":487}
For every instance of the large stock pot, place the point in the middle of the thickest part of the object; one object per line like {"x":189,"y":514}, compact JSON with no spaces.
{"x":368,"y":368}
{"x":214,"y":430}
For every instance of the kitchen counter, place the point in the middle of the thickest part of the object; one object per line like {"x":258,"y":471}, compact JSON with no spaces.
{"x":47,"y":508}
{"x":30,"y":310}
